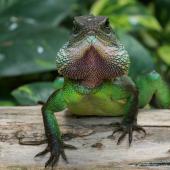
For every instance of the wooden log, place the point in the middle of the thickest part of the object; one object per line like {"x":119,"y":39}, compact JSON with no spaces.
{"x":90,"y":135}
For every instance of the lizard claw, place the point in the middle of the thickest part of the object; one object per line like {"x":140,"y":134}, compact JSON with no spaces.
{"x":127,"y":129}
{"x":56,"y":150}
{"x":54,"y":157}
{"x":45,"y":151}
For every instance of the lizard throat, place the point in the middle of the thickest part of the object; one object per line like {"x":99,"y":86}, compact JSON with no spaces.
{"x":91,"y":69}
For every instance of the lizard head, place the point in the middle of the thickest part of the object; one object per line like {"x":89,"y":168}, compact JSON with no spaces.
{"x":93,"y":53}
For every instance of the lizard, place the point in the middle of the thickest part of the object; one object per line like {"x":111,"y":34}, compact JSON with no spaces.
{"x":94,"y":65}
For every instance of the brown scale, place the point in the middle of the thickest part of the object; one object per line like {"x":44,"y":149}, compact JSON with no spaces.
{"x":91,"y":69}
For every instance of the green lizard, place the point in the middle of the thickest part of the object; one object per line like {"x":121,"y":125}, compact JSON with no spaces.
{"x":95,"y":67}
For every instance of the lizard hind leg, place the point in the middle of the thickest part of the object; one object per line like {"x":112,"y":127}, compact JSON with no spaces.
{"x":153,"y":90}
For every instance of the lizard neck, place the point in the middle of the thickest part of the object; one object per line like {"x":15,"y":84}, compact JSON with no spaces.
{"x":81,"y":88}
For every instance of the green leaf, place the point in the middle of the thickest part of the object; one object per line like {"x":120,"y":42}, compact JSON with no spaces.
{"x":126,"y":14}
{"x":141,"y":59}
{"x":120,"y":21}
{"x":4,"y":4}
{"x":134,"y":22}
{"x":107,"y":7}
{"x":148,"y":39}
{"x":164,"y":53}
{"x":98,"y":6}
{"x":7,"y":102}
{"x":149,"y":22}
{"x":41,"y":10}
{"x":33,"y":93}
{"x":30,"y":35}
{"x":31,"y":52}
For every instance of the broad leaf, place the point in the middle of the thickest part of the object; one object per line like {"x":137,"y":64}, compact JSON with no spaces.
{"x":34,"y":93}
{"x":30,"y":35}
{"x":141,"y":60}
{"x":126,"y":14}
{"x":50,"y":11}
{"x":4,"y":4}
{"x":30,"y":53}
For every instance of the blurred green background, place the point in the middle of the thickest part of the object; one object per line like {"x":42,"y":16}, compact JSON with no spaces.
{"x":32,"y":31}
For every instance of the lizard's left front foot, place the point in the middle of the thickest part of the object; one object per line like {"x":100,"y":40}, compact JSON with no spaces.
{"x":127,"y":129}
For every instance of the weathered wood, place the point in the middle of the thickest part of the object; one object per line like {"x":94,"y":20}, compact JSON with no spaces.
{"x":90,"y":136}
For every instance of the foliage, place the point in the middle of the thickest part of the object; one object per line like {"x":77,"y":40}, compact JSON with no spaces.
{"x":32,"y":31}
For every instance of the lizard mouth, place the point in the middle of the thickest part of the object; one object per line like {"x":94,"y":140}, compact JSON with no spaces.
{"x":92,"y":68}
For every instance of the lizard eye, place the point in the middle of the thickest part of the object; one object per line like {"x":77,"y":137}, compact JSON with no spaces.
{"x":107,"y":24}
{"x":106,"y":27}
{"x":75,"y":29}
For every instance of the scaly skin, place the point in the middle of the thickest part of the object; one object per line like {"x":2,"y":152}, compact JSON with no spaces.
{"x":95,"y":66}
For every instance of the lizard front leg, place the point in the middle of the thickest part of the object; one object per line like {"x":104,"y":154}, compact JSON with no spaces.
{"x":55,"y":143}
{"x":129,"y":123}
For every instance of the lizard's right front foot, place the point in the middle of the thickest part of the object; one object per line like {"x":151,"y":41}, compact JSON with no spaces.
{"x":127,"y":128}
{"x":56,"y":150}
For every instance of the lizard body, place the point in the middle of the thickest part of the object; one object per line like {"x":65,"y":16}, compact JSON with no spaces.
{"x":95,"y":67}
